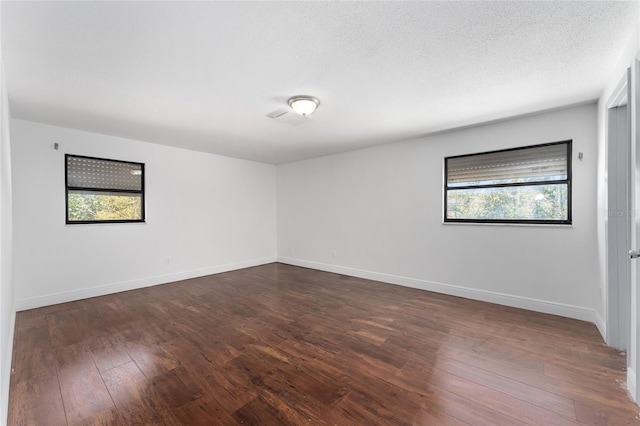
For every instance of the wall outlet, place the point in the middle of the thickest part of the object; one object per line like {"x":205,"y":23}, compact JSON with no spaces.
{"x":167,"y":261}
{"x":334,"y":254}
{"x":290,"y":251}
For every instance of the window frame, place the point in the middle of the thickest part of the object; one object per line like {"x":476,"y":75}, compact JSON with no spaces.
{"x":568,"y":182}
{"x":98,"y":190}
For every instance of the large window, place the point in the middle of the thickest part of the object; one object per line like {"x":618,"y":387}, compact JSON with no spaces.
{"x":520,"y":185}
{"x":101,"y":191}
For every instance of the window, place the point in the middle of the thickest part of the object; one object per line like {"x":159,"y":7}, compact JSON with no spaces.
{"x":520,"y":185}
{"x":103,"y":191}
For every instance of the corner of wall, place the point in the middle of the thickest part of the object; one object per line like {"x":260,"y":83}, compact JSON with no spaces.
{"x":7,"y":299}
{"x":600,"y":324}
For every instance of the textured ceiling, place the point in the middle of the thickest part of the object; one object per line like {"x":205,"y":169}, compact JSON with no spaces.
{"x":207,"y":75}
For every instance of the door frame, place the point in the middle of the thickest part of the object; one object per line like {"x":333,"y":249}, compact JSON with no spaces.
{"x":619,"y":218}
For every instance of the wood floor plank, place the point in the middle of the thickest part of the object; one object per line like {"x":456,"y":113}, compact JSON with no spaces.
{"x":151,"y":359}
{"x":615,"y":397}
{"x":34,"y":318}
{"x":109,"y":417}
{"x":108,"y":352}
{"x":211,"y":378}
{"x":33,"y":354}
{"x":83,"y":391}
{"x":65,"y":329}
{"x":204,"y":412}
{"x":259,"y":412}
{"x":559,"y":404}
{"x":472,"y":412}
{"x":36,"y":402}
{"x":135,"y":397}
{"x":177,"y":388}
{"x":497,"y":401}
{"x":596,"y":414}
{"x":278,"y":344}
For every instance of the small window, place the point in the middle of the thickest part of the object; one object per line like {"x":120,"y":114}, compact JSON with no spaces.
{"x":103,"y":191}
{"x":520,"y":185}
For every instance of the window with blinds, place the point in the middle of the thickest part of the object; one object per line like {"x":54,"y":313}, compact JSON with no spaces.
{"x":521,"y":185}
{"x":99,"y":190}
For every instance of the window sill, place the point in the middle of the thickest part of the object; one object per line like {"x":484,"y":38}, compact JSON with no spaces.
{"x":535,"y":225}
{"x":82,"y":224}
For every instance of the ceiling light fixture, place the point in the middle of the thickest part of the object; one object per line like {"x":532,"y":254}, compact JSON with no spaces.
{"x":304,"y":105}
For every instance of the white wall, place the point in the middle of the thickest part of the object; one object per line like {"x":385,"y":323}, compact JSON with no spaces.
{"x":7,"y":306}
{"x":7,"y":309}
{"x":380,"y":210}
{"x":206,"y":213}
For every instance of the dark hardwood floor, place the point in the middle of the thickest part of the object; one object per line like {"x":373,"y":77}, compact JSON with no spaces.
{"x":278,"y":345}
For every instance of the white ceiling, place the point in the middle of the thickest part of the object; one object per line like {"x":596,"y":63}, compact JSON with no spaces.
{"x":206,"y":75}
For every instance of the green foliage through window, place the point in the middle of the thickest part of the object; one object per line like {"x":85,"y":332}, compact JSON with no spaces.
{"x":100,"y":207}
{"x":542,"y":202}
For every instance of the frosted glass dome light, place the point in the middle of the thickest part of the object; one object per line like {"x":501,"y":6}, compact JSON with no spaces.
{"x":304,"y":105}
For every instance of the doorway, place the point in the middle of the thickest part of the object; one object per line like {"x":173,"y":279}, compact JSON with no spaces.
{"x":618,"y":229}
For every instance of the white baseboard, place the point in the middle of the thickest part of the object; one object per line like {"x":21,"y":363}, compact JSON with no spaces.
{"x":531,"y":304}
{"x":601,"y":325}
{"x":85,"y":293}
{"x":6,"y":368}
{"x":631,"y":382}
{"x":538,"y":305}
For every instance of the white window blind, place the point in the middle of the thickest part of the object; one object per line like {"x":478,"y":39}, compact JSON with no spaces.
{"x":94,"y":173}
{"x":541,"y":163}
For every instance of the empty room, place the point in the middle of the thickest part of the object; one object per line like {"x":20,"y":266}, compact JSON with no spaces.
{"x":334,"y":213}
